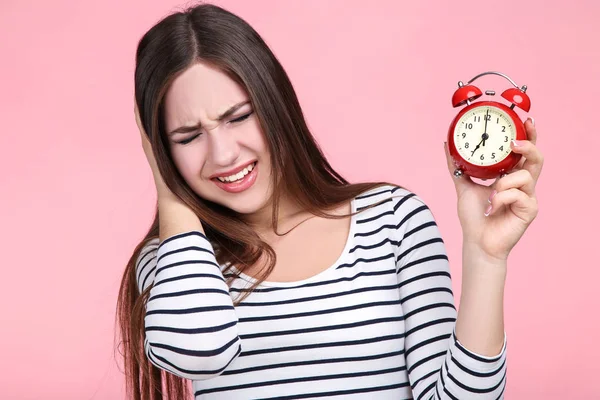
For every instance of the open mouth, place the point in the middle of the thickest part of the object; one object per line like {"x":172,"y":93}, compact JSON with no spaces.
{"x":240,"y":181}
{"x":239,"y":176}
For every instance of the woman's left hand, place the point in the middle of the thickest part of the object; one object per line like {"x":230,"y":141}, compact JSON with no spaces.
{"x":494,"y":228}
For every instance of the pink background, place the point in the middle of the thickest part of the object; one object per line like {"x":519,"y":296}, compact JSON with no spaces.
{"x":375,"y":79}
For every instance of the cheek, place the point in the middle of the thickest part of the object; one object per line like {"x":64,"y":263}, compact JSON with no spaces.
{"x":254,"y":139}
{"x":188,"y":162}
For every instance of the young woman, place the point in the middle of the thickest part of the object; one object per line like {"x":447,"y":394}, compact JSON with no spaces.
{"x":266,"y":274}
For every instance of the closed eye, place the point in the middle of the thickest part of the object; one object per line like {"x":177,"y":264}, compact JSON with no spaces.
{"x":234,"y":121}
{"x":186,"y":141}
{"x":241,"y":118}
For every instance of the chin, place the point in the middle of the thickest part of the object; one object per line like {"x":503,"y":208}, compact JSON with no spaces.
{"x":247,"y":207}
{"x":248,"y":202}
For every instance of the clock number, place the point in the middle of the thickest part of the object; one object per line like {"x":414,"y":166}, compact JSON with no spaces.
{"x":464,"y":135}
{"x":467,"y":145}
{"x":477,"y":118}
{"x":498,"y":120}
{"x":501,"y":148}
{"x":488,"y":117}
{"x":469,"y":126}
{"x":493,"y":156}
{"x":481,"y":158}
{"x":505,"y":139}
{"x":503,"y":129}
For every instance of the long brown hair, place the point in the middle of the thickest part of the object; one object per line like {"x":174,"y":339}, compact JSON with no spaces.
{"x":209,"y":34}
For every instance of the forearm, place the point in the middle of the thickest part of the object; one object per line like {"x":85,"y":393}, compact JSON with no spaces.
{"x":175,"y":217}
{"x":439,"y":367}
{"x":190,"y":322}
{"x":480,"y":319}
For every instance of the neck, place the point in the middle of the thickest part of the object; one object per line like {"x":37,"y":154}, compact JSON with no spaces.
{"x":289,"y":213}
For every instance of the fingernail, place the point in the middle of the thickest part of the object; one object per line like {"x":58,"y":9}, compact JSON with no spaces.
{"x":532,"y":120}
{"x":492,"y":196}
{"x":516,"y":143}
{"x":488,"y":210}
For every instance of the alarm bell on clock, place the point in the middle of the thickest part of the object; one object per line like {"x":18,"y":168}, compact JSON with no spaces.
{"x":479,"y":136}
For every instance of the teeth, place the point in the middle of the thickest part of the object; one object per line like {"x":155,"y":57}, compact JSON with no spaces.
{"x":238,"y":176}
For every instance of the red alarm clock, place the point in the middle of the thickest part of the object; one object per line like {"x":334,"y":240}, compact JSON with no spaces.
{"x":479,"y":136}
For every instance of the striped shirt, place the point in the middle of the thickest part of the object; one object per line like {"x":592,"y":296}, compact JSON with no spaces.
{"x":377,"y":324}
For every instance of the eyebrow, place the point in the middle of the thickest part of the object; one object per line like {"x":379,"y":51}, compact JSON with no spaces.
{"x":226,"y":114}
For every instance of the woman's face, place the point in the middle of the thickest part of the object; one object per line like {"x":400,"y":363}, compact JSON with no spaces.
{"x":222,"y":153}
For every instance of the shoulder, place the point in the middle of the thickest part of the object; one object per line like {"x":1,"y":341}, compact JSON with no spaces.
{"x":148,"y":250}
{"x":394,"y":196}
{"x":401,"y":206}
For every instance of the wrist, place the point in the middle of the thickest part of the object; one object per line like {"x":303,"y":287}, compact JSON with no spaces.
{"x":473,"y":251}
{"x":479,"y":270}
{"x":176,"y":217}
{"x":478,"y":266}
{"x":166,"y":196}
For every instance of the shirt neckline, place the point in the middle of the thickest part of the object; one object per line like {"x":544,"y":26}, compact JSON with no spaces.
{"x":320,"y":275}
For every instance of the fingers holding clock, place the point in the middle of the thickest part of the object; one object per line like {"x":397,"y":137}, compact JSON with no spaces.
{"x":517,"y":191}
{"x":521,"y":180}
{"x":534,"y":160}
{"x":523,"y":206}
{"x":530,"y":130}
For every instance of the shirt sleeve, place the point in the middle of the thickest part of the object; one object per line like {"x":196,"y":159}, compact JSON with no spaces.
{"x":439,"y":366}
{"x":190,"y":323}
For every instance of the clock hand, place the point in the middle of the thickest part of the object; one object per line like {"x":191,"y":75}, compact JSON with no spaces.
{"x":485,"y":136}
{"x":476,"y":147}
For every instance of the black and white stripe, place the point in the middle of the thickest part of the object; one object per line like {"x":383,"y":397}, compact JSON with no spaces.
{"x":377,"y":324}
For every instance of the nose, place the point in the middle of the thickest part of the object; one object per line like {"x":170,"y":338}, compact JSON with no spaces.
{"x":224,"y":149}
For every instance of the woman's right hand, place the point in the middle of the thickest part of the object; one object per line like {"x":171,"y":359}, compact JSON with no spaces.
{"x":161,"y":186}
{"x":175,"y":217}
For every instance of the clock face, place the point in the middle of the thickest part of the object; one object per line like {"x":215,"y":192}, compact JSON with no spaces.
{"x":482,"y":135}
